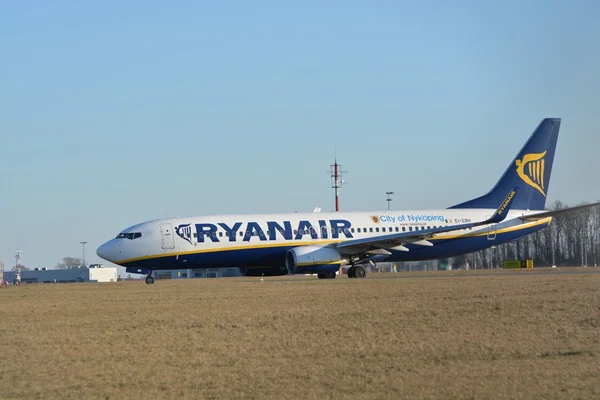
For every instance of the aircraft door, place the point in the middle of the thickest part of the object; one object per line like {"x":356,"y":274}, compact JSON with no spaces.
{"x":491,"y":234}
{"x":166,"y":233}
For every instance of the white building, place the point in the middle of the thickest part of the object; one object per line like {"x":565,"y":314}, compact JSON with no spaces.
{"x":100,"y":273}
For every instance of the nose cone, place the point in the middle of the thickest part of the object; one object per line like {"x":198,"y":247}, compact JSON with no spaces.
{"x":107,"y":251}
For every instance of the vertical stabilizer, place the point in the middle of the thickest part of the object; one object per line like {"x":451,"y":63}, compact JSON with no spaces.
{"x":529,"y":172}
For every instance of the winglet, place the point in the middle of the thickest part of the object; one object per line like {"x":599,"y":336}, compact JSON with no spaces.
{"x":502,"y":211}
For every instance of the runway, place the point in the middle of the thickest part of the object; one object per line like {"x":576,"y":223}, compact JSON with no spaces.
{"x":488,"y":272}
{"x":563,"y":271}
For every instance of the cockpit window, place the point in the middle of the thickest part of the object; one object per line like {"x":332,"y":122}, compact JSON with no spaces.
{"x":130,"y":235}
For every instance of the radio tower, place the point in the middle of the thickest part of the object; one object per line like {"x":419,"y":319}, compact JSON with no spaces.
{"x":336,"y":181}
{"x":18,"y":266}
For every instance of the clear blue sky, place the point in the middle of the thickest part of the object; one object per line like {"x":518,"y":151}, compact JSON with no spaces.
{"x":112,"y":113}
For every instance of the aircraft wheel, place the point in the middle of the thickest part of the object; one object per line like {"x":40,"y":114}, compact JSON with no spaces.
{"x":360,"y":272}
{"x":321,"y":276}
{"x":351,"y":272}
{"x":330,"y":275}
{"x":149,"y":280}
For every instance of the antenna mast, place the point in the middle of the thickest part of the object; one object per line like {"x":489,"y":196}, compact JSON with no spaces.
{"x":336,"y":181}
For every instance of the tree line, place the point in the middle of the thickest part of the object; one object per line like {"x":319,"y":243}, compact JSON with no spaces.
{"x":67,"y":263}
{"x":572,"y":239}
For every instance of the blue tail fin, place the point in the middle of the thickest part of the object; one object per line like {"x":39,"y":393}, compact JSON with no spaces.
{"x":529,"y":172}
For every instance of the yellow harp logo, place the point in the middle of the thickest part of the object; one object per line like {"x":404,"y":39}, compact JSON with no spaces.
{"x":531,"y":170}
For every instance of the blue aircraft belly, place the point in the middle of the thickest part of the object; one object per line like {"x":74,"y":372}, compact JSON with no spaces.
{"x":444,"y":248}
{"x":270,"y":257}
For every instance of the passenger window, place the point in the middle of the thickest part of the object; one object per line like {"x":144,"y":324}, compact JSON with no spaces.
{"x":220,"y":234}
{"x":241,"y":233}
{"x":383,"y":229}
{"x":403,"y":229}
{"x":376,"y":229}
{"x":371,"y":230}
{"x":410,"y":228}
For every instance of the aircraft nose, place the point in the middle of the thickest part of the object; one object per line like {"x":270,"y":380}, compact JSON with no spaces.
{"x":107,"y":251}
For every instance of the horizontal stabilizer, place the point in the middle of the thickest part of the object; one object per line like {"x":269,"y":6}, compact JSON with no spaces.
{"x":546,"y":214}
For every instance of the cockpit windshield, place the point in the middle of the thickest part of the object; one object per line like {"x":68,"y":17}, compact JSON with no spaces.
{"x":130,"y":235}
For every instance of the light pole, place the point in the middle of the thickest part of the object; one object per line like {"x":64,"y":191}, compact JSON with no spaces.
{"x":553,"y":240}
{"x":582,"y":251}
{"x":389,"y":199}
{"x":83,"y":252}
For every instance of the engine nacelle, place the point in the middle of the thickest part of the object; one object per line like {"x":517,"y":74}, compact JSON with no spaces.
{"x":313,"y":260}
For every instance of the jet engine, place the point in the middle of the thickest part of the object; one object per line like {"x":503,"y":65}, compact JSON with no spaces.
{"x":313,"y":259}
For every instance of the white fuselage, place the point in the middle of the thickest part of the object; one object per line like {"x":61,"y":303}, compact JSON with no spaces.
{"x":261,"y":240}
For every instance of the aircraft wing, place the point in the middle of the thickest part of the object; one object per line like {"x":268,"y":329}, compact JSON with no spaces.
{"x":546,"y":214}
{"x":394,"y":241}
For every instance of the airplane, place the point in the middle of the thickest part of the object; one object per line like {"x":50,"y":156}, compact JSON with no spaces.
{"x":320,"y":243}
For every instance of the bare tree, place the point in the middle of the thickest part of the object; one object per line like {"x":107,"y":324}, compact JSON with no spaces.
{"x":21,"y":267}
{"x":595,"y":236}
{"x":69,"y":263}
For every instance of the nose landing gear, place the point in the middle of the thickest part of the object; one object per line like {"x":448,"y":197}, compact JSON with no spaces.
{"x":149,"y":278}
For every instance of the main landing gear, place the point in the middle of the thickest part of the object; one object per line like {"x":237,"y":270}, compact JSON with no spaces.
{"x":357,"y":271}
{"x":328,"y":275}
{"x":149,"y":278}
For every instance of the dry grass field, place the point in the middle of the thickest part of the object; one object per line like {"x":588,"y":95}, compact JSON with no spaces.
{"x":502,"y":335}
